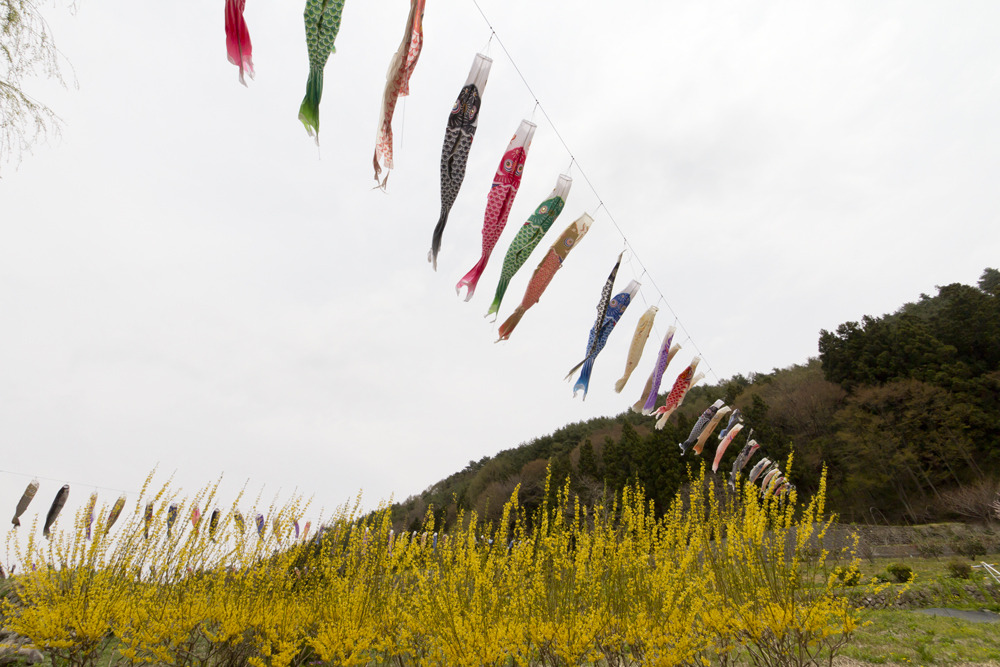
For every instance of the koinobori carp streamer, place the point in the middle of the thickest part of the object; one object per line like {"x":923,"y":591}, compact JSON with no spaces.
{"x":458,"y":137}
{"x":663,"y":359}
{"x":700,"y":425}
{"x":530,"y":235}
{"x":57,"y":504}
{"x":322,"y":19}
{"x":682,"y":384}
{"x":707,"y":432}
{"x":26,"y":498}
{"x":721,"y":449}
{"x":741,"y":460}
{"x":639,"y":338}
{"x":506,"y":182}
{"x":601,"y":330}
{"x":115,"y":512}
{"x":398,"y":84}
{"x":546,"y":270}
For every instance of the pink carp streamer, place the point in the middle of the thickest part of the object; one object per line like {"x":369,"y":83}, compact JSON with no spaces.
{"x":721,"y":450}
{"x":642,"y":331}
{"x":505,"y":184}
{"x":546,"y":270}
{"x":684,"y":381}
{"x":238,"y":45}
{"x":397,"y":84}
{"x":769,"y":477}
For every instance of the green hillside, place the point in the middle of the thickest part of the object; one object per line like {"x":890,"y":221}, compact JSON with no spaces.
{"x":903,"y":409}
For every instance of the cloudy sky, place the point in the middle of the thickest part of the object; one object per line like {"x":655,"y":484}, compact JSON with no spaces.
{"x":187,"y":282}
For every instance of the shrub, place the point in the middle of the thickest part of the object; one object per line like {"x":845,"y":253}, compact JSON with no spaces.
{"x":959,"y":569}
{"x":970,"y":546}
{"x":900,"y":572}
{"x":930,"y":548}
{"x":848,"y":576}
{"x":575,"y":585}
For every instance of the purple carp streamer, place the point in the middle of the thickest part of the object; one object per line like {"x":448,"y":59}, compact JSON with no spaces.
{"x":745,"y":454}
{"x":530,"y":235}
{"x":322,"y":19}
{"x":707,"y":431}
{"x":700,"y":425}
{"x":458,"y":137}
{"x":147,"y":519}
{"x":26,"y":498}
{"x":398,"y":84}
{"x":546,"y":270}
{"x":241,"y":525}
{"x":57,"y":504}
{"x":260,"y":525}
{"x":637,"y":406}
{"x":721,"y":449}
{"x":506,"y":181}
{"x":662,"y":360}
{"x":115,"y":512}
{"x":639,"y":338}
{"x":599,"y":335}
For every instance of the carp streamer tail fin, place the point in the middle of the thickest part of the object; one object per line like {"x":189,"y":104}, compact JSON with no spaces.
{"x":309,"y":111}
{"x":471,"y":278}
{"x":432,"y":256}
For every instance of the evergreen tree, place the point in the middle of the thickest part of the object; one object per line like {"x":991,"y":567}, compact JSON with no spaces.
{"x":588,"y":461}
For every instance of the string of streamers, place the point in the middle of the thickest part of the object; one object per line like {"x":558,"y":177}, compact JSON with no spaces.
{"x":33,"y":491}
{"x":685,"y":380}
{"x":601,"y":204}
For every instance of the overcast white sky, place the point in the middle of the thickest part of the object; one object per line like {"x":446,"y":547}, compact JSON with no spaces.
{"x":186,"y":281}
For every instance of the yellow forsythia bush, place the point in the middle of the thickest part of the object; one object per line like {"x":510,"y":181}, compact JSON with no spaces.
{"x":722,"y":576}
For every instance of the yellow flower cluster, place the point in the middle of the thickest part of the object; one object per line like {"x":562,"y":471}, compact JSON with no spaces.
{"x":721,"y":574}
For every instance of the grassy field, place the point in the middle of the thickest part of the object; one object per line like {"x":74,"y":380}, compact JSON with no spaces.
{"x":912,"y":638}
{"x":908,"y":637}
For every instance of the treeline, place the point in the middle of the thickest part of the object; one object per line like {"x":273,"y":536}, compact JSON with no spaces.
{"x":903,"y":409}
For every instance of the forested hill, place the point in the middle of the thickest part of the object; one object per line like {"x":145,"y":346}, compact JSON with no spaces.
{"x":904,"y":410}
